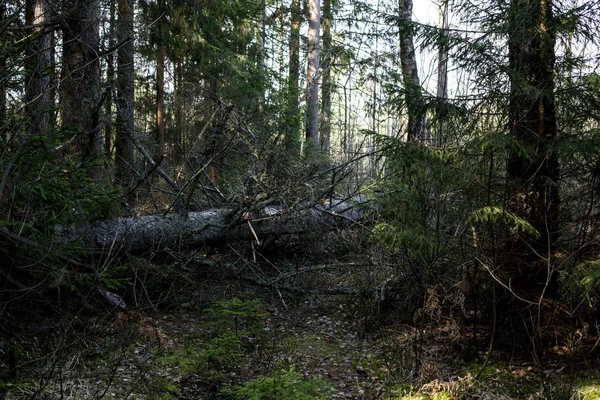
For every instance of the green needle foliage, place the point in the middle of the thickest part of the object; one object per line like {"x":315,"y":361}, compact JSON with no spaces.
{"x":284,"y":385}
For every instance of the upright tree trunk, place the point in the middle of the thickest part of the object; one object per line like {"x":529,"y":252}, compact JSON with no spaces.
{"x":110,"y":79}
{"x":161,"y":55}
{"x":292,"y":121}
{"x":416,"y":129}
{"x":533,"y":174}
{"x":179,"y":134}
{"x":312,"y":75}
{"x":38,"y":101}
{"x":325,"y":138}
{"x":3,"y":75}
{"x":260,"y":52}
{"x":442,"y":73}
{"x":81,"y":75}
{"x":125,"y":97}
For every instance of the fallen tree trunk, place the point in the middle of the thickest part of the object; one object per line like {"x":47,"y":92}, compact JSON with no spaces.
{"x":214,"y":226}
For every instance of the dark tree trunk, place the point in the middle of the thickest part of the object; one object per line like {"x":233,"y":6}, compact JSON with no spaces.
{"x":125,"y":97}
{"x":160,"y":100}
{"x":312,"y":75}
{"x":80,"y":98}
{"x":3,"y":75}
{"x":533,"y":175}
{"x":178,"y":135}
{"x":442,"y":73}
{"x":161,"y":57}
{"x":110,"y":80}
{"x":325,"y":137}
{"x":38,"y":100}
{"x":292,"y":121}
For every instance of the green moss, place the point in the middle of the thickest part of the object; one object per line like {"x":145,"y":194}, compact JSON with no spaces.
{"x":588,"y":388}
{"x":241,"y":316}
{"x":160,"y":388}
{"x":283,"y":385}
{"x":443,"y":395}
{"x":186,"y":360}
{"x":311,"y":346}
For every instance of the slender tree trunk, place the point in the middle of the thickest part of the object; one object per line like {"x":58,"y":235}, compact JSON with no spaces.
{"x":413,"y":97}
{"x":325,"y":138}
{"x":533,"y":176}
{"x":373,"y":167}
{"x":161,"y":55}
{"x":38,"y":101}
{"x":125,"y":97}
{"x":3,"y":75}
{"x":81,"y":76}
{"x":180,"y":126}
{"x":110,"y":78}
{"x":260,"y":52}
{"x":312,"y":75}
{"x":442,"y":73}
{"x":292,"y":137}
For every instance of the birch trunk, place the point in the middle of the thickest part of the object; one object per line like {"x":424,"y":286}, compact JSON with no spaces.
{"x":416,"y":129}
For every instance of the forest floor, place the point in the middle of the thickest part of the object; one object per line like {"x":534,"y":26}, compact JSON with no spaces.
{"x":227,"y":339}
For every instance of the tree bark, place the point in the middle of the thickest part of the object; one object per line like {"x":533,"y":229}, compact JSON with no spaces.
{"x":292,"y":121}
{"x":442,"y":73}
{"x":261,"y":38}
{"x":312,"y":75}
{"x":325,"y":137}
{"x":215,"y":226}
{"x":533,"y":174}
{"x":161,"y":55}
{"x":416,"y":129}
{"x":3,"y":75}
{"x":110,"y":79}
{"x":38,"y":100}
{"x":125,"y":97}
{"x":81,"y":76}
